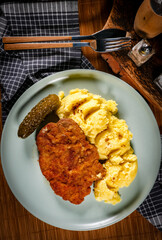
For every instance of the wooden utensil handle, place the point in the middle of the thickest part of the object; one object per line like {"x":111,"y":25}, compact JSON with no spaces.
{"x":23,"y":46}
{"x":34,"y":39}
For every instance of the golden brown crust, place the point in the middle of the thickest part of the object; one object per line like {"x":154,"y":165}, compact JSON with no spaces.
{"x":68,"y":161}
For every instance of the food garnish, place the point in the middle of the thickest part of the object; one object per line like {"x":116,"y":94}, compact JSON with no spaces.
{"x":37,"y":114}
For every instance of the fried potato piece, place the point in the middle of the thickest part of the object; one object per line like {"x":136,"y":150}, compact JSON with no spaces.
{"x":67,"y":160}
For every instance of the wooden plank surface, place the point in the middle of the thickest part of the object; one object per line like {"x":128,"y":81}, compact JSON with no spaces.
{"x":122,"y":16}
{"x":17,"y":223}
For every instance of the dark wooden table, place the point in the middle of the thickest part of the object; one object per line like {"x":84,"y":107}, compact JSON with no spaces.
{"x":17,"y":223}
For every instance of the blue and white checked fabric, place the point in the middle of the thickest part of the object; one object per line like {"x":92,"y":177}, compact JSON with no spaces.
{"x":21,"y":69}
{"x":29,"y":19}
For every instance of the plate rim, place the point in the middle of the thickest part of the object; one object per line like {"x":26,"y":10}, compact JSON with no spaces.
{"x":55,"y":76}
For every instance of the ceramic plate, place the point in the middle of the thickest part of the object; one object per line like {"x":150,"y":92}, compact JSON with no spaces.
{"x":20,"y":157}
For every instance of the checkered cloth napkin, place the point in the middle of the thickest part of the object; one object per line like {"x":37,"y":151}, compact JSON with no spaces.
{"x":20,"y":69}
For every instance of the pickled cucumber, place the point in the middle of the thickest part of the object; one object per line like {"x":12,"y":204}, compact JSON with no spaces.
{"x":37,"y":114}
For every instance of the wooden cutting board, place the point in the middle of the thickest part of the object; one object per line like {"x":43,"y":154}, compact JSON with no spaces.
{"x":122,"y":16}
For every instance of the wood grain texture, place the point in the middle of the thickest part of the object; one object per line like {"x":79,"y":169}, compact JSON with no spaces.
{"x":16,"y":223}
{"x":93,"y":15}
{"x":34,"y":39}
{"x":23,"y":46}
{"x":122,"y":16}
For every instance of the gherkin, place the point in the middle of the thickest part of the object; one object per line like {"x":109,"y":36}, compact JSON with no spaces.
{"x":37,"y":115}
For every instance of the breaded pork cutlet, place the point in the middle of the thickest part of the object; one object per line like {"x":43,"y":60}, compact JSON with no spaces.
{"x":67,"y":160}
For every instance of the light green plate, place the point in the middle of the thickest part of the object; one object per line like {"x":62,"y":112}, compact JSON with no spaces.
{"x":20,"y":157}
